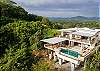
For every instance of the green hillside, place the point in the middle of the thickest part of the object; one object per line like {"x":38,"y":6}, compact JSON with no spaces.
{"x":20,"y":33}
{"x":10,"y":12}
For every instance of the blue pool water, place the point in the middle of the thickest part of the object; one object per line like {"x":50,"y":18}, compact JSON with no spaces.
{"x":70,"y":52}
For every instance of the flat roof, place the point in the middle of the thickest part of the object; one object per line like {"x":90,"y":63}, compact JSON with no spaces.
{"x":67,"y":30}
{"x":54,"y":40}
{"x":84,"y":34}
{"x":81,"y":31}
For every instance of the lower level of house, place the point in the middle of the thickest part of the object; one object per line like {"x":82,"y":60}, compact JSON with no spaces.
{"x":63,"y":50}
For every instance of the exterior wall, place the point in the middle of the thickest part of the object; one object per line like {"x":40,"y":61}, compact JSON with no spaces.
{"x":98,"y":36}
{"x":65,"y":34}
{"x":95,"y":39}
{"x":70,"y":36}
{"x":91,"y":41}
{"x":77,"y":37}
{"x":62,"y":34}
{"x":68,"y":59}
{"x":99,"y":33}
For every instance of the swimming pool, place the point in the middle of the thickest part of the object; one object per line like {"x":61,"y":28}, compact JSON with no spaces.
{"x":70,"y":53}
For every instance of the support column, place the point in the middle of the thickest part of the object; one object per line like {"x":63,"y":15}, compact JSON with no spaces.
{"x":76,"y":66}
{"x":70,"y":36}
{"x":69,"y":43}
{"x":72,"y":43}
{"x":89,"y":39}
{"x":60,"y":61}
{"x":55,"y":57}
{"x":63,"y":60}
{"x":62,"y":34}
{"x":72,"y":67}
{"x":50,"y":55}
{"x":81,"y":46}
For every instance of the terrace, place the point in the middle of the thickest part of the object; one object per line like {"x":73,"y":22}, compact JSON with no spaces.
{"x":82,"y":51}
{"x":54,"y":46}
{"x":72,"y":55}
{"x":81,"y":39}
{"x":82,"y":35}
{"x":56,"y":43}
{"x":67,"y":50}
{"x":53,"y":43}
{"x":75,"y":37}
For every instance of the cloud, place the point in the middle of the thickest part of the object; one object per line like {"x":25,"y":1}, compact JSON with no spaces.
{"x":62,"y":8}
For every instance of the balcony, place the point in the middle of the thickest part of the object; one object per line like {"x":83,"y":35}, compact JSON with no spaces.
{"x":76,"y":39}
{"x":81,"y":40}
{"x":75,"y":52}
{"x":65,"y":36}
{"x":54,"y":46}
{"x":83,"y":51}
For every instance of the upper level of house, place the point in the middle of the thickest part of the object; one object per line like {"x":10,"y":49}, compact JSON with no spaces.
{"x":82,"y":35}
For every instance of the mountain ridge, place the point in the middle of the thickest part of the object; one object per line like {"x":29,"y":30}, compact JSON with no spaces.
{"x":74,"y":18}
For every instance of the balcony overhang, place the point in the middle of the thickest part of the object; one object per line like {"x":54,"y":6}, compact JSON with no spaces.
{"x":54,"y":40}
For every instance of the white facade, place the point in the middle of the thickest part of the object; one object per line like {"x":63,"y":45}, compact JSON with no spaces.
{"x":78,"y":44}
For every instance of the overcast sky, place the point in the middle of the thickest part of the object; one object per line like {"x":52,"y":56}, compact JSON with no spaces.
{"x":61,"y":8}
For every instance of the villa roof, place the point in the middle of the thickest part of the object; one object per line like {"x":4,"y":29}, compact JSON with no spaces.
{"x":67,"y":30}
{"x":54,"y":40}
{"x":81,"y":31}
{"x":84,"y":34}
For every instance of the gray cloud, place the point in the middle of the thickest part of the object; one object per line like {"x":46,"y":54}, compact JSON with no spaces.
{"x":63,"y":8}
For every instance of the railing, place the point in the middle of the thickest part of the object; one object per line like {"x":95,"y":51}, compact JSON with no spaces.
{"x":54,"y":46}
{"x":76,"y":39}
{"x":86,"y":51}
{"x":84,"y":40}
{"x":66,"y":36}
{"x":81,"y":40}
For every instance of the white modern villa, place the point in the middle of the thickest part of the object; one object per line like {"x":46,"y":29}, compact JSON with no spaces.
{"x":73,"y":45}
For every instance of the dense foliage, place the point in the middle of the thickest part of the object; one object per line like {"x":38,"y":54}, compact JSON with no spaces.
{"x":10,"y":12}
{"x":17,"y":41}
{"x":93,"y":63}
{"x":41,"y":67}
{"x":5,"y":20}
{"x":20,"y":33}
{"x":72,"y":24}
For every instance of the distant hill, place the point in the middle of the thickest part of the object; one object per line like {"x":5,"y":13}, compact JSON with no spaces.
{"x":80,"y":18}
{"x":10,"y":12}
